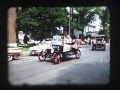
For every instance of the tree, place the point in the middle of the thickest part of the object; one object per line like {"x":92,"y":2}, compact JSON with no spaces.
{"x":41,"y":21}
{"x":105,"y":18}
{"x":83,"y":16}
{"x":104,"y":15}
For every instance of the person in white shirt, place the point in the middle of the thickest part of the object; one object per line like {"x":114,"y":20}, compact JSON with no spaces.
{"x":68,"y":39}
{"x":21,"y":38}
{"x":67,"y":43}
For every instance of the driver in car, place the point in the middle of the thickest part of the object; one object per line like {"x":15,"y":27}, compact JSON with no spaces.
{"x":67,"y":43}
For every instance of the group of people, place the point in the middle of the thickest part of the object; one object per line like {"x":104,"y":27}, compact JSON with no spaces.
{"x":90,"y":41}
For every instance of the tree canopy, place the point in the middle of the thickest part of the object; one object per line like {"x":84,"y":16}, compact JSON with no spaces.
{"x":42,"y":22}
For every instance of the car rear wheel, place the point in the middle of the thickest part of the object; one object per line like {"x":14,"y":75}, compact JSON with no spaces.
{"x":41,"y":56}
{"x":57,"y":58}
{"x":78,"y":54}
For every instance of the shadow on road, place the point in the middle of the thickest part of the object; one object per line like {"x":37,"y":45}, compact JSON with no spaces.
{"x":83,"y":74}
{"x":64,"y":60}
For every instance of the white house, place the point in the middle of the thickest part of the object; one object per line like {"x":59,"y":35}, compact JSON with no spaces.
{"x":77,"y":33}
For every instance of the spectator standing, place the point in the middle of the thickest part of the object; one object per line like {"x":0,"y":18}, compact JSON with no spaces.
{"x":21,"y":38}
{"x":88,"y":40}
{"x":26,"y":39}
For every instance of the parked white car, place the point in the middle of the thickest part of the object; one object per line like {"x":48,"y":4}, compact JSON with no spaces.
{"x":42,"y":46}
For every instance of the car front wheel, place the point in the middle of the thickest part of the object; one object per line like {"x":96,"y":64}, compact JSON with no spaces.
{"x":41,"y":56}
{"x":57,"y":58}
{"x":78,"y":54}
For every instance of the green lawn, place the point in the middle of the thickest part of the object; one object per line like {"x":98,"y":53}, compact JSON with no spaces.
{"x":25,"y":49}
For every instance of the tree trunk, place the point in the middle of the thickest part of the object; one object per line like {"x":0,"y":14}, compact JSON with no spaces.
{"x":12,"y":27}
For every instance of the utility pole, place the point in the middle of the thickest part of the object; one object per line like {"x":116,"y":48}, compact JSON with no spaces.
{"x":69,"y":20}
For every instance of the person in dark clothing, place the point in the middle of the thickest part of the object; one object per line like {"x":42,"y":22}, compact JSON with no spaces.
{"x":74,"y":37}
{"x":26,"y":39}
{"x":90,"y":41}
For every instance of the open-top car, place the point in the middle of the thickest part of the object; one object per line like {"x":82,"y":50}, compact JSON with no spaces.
{"x":57,"y":51}
{"x":99,"y":42}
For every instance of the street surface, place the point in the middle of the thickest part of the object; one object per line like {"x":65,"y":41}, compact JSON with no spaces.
{"x":93,"y":68}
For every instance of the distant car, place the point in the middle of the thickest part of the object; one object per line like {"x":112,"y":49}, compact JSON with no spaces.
{"x":79,"y":42}
{"x":99,"y":43}
{"x":33,"y":42}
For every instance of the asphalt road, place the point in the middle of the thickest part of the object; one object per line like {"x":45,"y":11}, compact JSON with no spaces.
{"x":93,"y":68}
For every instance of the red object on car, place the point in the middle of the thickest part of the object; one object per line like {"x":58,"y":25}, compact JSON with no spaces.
{"x":79,"y":42}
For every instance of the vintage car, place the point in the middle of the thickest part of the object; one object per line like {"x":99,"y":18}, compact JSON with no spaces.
{"x":14,"y":53}
{"x":58,"y":50}
{"x":99,"y":42}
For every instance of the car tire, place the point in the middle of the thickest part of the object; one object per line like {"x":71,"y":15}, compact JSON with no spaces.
{"x":42,"y":56}
{"x":57,"y":58}
{"x":77,"y":54}
{"x":10,"y":57}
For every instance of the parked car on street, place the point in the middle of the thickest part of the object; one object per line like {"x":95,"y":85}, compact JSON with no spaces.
{"x":34,"y":49}
{"x":79,"y":42}
{"x":99,"y":42}
{"x":33,"y":42}
{"x":14,"y":53}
